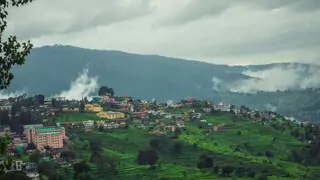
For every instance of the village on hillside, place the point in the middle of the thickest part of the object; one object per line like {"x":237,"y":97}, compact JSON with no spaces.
{"x":41,"y":129}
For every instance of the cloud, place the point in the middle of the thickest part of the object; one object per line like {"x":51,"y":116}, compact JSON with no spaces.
{"x":83,"y":86}
{"x":49,"y":17}
{"x":216,"y":31}
{"x":290,"y":77}
{"x":270,"y":107}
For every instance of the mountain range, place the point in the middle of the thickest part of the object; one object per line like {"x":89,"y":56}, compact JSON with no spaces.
{"x":290,"y":88}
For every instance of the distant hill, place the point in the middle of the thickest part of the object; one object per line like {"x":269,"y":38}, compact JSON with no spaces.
{"x":50,"y":70}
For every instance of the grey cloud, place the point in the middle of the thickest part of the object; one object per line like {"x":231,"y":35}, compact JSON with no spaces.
{"x":217,"y":31}
{"x":47,"y":17}
{"x":197,"y":9}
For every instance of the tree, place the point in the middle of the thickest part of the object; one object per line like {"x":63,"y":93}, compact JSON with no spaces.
{"x":11,"y":51}
{"x":240,"y":171}
{"x":269,"y":154}
{"x":177,"y":147}
{"x":68,"y":155}
{"x":80,"y":167}
{"x":39,"y":98}
{"x":262,"y":177}
{"x":216,"y":169}
{"x":205,"y":161}
{"x":158,"y":143}
{"x":177,"y":132}
{"x":112,"y":161}
{"x":250,"y":172}
{"x":95,"y":144}
{"x":149,"y":157}
{"x":14,"y":175}
{"x":95,"y":158}
{"x":227,"y":170}
{"x":35,"y":157}
{"x":16,"y":107}
{"x":105,"y":91}
{"x":54,"y":103}
{"x":81,"y":106}
{"x":49,"y":169}
{"x":4,"y":118}
{"x":31,"y":146}
{"x":83,"y":176}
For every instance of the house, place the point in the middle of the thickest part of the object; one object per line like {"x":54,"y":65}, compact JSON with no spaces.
{"x":93,"y":108}
{"x":5,"y":108}
{"x":97,"y":99}
{"x":19,"y":165}
{"x":222,"y":107}
{"x":171,"y":128}
{"x":206,"y":110}
{"x":67,"y":108}
{"x":111,"y":125}
{"x":217,"y":128}
{"x":197,"y":115}
{"x":111,"y":115}
{"x":88,"y":124}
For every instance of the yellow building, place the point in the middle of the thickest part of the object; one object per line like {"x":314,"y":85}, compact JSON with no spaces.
{"x":93,"y":108}
{"x":111,"y":115}
{"x":68,"y":109}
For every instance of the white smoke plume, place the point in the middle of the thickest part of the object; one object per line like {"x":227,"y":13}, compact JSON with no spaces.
{"x":83,"y":86}
{"x":6,"y":95}
{"x":271,"y":108}
{"x":280,"y":78}
{"x":216,"y":83}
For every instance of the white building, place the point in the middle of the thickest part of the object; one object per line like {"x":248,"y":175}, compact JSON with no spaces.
{"x":222,"y":107}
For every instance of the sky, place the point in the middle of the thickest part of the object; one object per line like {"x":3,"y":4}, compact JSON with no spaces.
{"x":234,"y":32}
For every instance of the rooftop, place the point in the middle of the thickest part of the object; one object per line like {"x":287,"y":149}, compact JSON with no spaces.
{"x":48,"y":128}
{"x":30,"y":126}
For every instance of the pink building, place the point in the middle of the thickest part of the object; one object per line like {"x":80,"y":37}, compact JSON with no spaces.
{"x":46,"y":136}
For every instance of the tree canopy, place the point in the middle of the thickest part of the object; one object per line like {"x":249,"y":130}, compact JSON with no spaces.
{"x":104,"y":90}
{"x":11,"y":51}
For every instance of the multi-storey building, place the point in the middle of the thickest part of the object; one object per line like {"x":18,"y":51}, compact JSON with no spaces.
{"x":46,"y":136}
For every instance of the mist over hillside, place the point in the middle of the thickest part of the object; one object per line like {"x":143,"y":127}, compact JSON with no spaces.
{"x":75,"y":72}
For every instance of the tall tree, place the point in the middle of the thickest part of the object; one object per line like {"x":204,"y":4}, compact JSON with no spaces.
{"x":4,"y":118}
{"x":11,"y":51}
{"x":104,"y":90}
{"x":39,"y":98}
{"x":149,"y":157}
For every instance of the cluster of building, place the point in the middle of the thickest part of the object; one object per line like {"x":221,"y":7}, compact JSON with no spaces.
{"x":19,"y":165}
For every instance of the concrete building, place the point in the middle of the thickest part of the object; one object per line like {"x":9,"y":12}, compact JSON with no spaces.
{"x":93,"y":108}
{"x":46,"y":136}
{"x":222,"y":107}
{"x":5,"y":108}
{"x":111,"y":115}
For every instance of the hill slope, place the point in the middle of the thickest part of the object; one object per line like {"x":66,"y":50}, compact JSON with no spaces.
{"x":50,"y":70}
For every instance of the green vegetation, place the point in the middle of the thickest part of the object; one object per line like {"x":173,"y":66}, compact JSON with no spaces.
{"x":75,"y":117}
{"x":242,"y":149}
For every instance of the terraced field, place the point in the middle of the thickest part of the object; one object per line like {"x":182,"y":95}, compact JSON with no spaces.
{"x":239,"y":144}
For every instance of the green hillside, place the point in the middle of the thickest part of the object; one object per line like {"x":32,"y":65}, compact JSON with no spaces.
{"x":242,"y":149}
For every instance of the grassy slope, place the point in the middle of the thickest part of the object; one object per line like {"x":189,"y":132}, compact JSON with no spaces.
{"x":126,"y":143}
{"x":76,"y":117}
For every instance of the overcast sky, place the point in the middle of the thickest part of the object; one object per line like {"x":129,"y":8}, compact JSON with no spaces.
{"x":217,"y":31}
